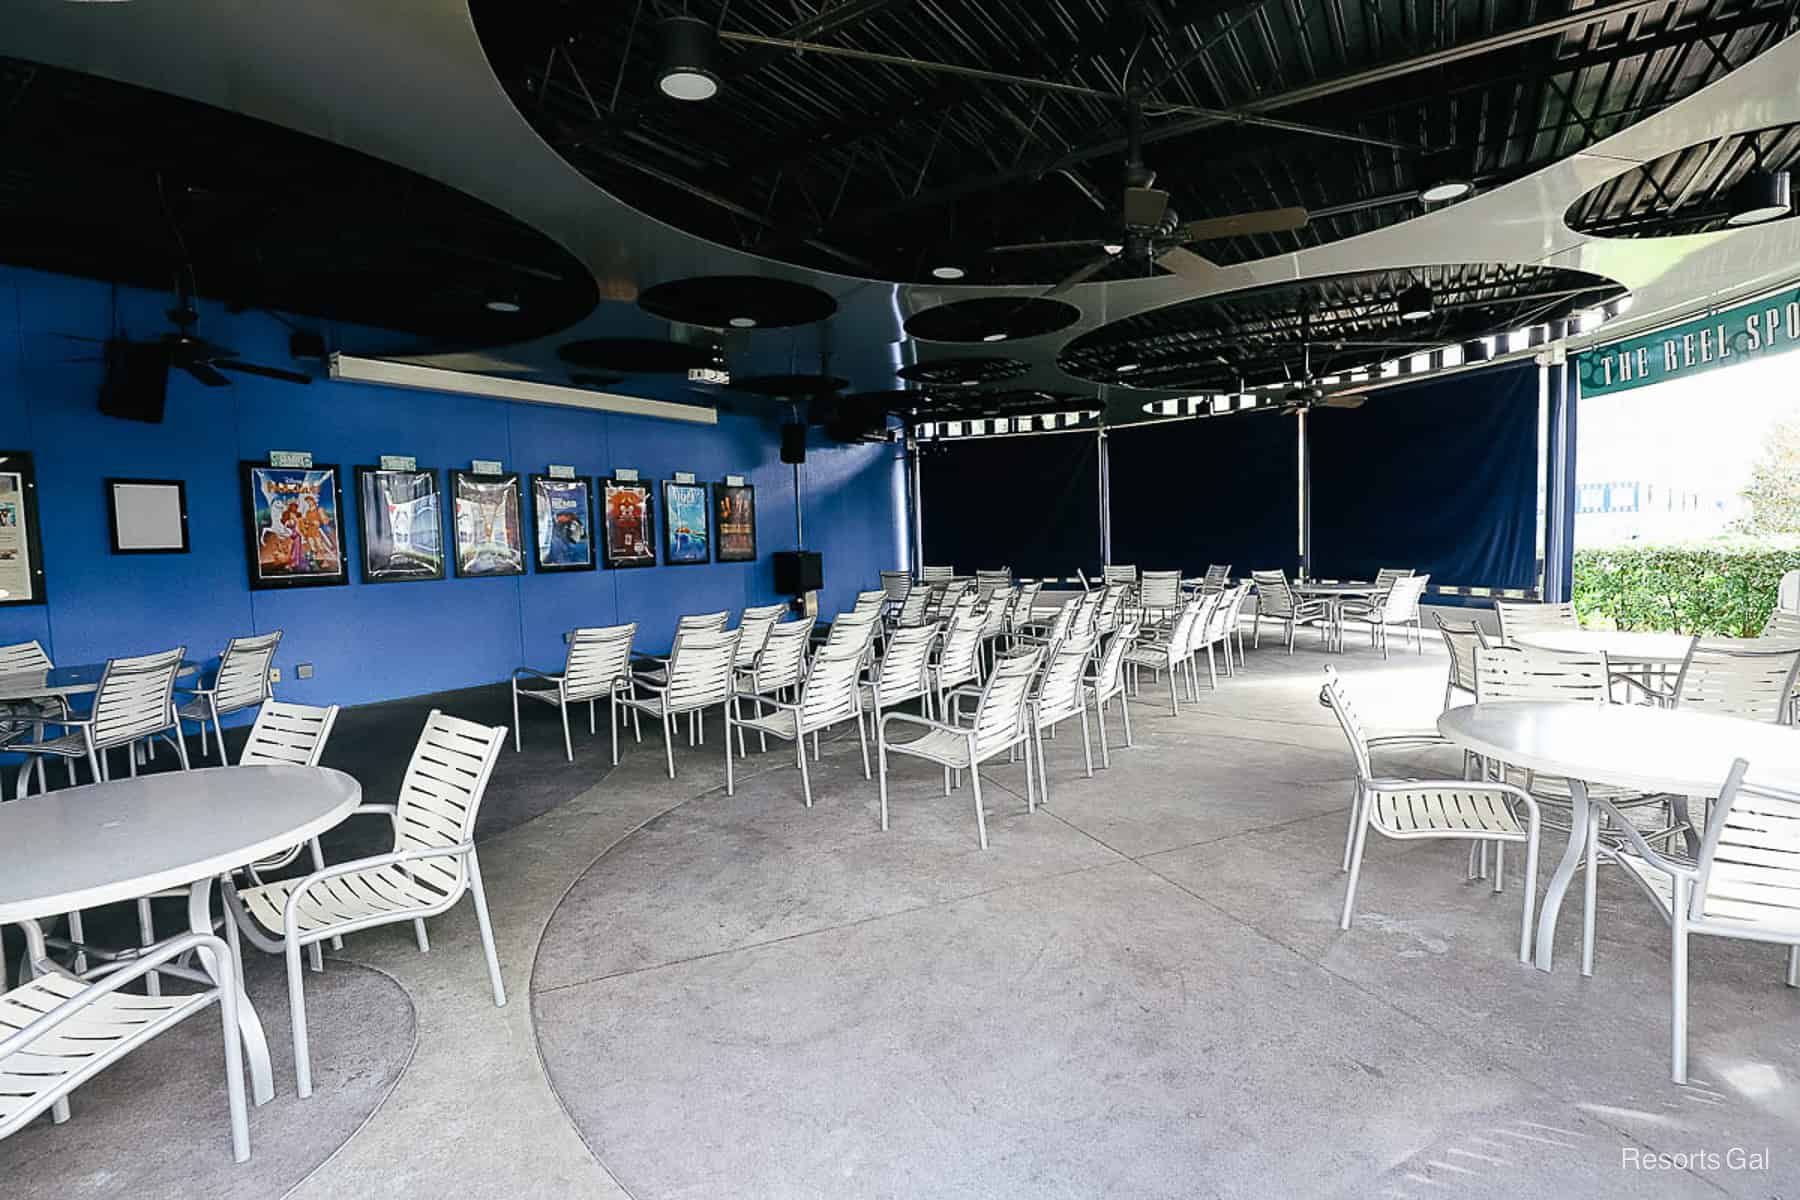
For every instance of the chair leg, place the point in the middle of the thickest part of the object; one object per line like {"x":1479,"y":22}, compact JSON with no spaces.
{"x":1174,"y":699}
{"x":730,"y":777}
{"x":146,"y":939}
{"x":1036,"y":740}
{"x":218,"y":730}
{"x":1087,"y":748}
{"x":805,"y":775}
{"x":420,"y":936}
{"x":1793,"y":967}
{"x":862,"y":739}
{"x":1587,"y":892}
{"x":1530,"y":889}
{"x":669,"y":742}
{"x":881,"y":767}
{"x":1499,"y":867}
{"x":479,"y":895}
{"x":297,"y":1013}
{"x":975,"y":779}
{"x":562,"y":707}
{"x":79,"y":937}
{"x":593,"y":723}
{"x":1355,"y":820}
{"x":1356,"y":857}
{"x":1678,"y":954}
{"x":203,"y":738}
{"x":518,"y":731}
{"x":1125,"y":715}
{"x":181,"y":748}
{"x":612,"y":727}
{"x":1100,"y":720}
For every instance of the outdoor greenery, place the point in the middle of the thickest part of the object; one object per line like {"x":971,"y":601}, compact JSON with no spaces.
{"x":1773,"y":492}
{"x":1722,"y":588}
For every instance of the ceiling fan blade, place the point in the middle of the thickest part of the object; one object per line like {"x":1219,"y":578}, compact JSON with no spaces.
{"x":1343,"y":400}
{"x":1188,"y":265}
{"x":1144,"y":207}
{"x":205,"y":374}
{"x":1082,"y":276}
{"x":1269,"y":220}
{"x":1026,"y":246}
{"x":245,"y":368}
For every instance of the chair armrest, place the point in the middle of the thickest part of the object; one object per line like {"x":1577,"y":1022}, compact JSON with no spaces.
{"x":1419,"y":737}
{"x":647,"y":685}
{"x":756,"y":698}
{"x":534,"y":673}
{"x":365,"y":864}
{"x":1630,"y":682}
{"x":1455,"y":785}
{"x":147,"y":961}
{"x":910,"y":719}
{"x":1667,"y":866}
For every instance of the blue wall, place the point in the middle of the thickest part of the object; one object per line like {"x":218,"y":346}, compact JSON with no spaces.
{"x":369,"y":642}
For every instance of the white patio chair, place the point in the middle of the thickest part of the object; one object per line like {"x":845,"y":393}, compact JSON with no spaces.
{"x":828,"y":697}
{"x":1166,"y":650}
{"x":1125,"y":574}
{"x":1159,"y":595}
{"x":19,"y":717}
{"x":753,"y":631}
{"x":1106,"y":682}
{"x":1782,"y":624}
{"x":133,"y":702}
{"x":896,"y":584}
{"x":1058,"y":627}
{"x":1744,"y":883}
{"x":653,"y":669}
{"x":995,"y":616}
{"x":1746,"y":679}
{"x":598,"y":664}
{"x":1219,"y":626}
{"x":1217,"y":575}
{"x":1275,"y":601}
{"x":779,"y":667}
{"x":936,"y":574}
{"x":873,"y":601}
{"x":432,"y":865}
{"x":1231,"y":617}
{"x":1461,"y":640}
{"x":1413,"y":809}
{"x":999,"y":724}
{"x":1057,"y":696}
{"x":914,"y":607}
{"x":699,"y":675}
{"x":958,"y":660}
{"x":58,"y":1031}
{"x":1112,"y":602}
{"x":1519,"y":617}
{"x":993,"y":580}
{"x":903,"y":673}
{"x":1200,"y":642}
{"x":242,"y":681}
{"x":1398,"y":606}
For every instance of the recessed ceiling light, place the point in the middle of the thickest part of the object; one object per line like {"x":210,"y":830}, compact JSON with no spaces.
{"x":1127,"y":368}
{"x":994,"y":337}
{"x":1415,"y":303}
{"x":743,"y":322}
{"x":685,"y":72}
{"x":1447,"y":190}
{"x":947,"y":272}
{"x":1114,"y":247}
{"x":1760,"y":196}
{"x":503,"y":306}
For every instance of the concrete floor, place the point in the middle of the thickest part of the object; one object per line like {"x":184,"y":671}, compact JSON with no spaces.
{"x":1140,"y":991}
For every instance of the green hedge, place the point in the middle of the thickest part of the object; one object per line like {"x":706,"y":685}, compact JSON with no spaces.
{"x":1720,"y":589}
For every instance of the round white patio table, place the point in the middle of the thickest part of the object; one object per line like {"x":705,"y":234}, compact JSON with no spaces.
{"x":1334,"y":595}
{"x":1619,"y":645}
{"x":63,"y":681}
{"x":1635,"y":746}
{"x":104,"y":843}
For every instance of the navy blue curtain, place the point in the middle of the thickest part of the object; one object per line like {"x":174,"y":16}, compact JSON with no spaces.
{"x":1186,"y":494}
{"x":1439,"y":477}
{"x":1028,"y":502}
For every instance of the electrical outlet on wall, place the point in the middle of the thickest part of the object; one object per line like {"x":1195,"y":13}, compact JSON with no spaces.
{"x":274,"y":674}
{"x":303,"y":671}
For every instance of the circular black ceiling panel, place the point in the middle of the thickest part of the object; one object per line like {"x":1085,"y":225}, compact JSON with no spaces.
{"x":1690,"y":190}
{"x":635,"y":356}
{"x":963,"y":372}
{"x":1007,"y":402}
{"x":790,"y":385}
{"x":116,"y":182}
{"x":992,"y":319}
{"x":737,"y":302}
{"x":1265,"y":335}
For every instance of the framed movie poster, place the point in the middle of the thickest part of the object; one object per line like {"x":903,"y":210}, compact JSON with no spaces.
{"x":402,"y":518}
{"x":734,"y":506}
{"x":687,"y":521}
{"x":628,"y":521}
{"x":294,"y":517}
{"x":147,"y":516}
{"x":21,"y":546}
{"x":562,"y":518}
{"x":489,"y":534}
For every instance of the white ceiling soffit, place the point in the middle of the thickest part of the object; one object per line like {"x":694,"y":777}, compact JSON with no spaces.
{"x":407,"y":80}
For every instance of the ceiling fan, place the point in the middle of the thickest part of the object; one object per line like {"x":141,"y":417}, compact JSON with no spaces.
{"x":1152,"y":232}
{"x":1308,"y":394}
{"x":200,"y":358}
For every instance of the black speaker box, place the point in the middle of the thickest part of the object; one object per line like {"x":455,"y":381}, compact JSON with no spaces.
{"x":137,"y":381}
{"x":793,"y":443}
{"x":798,"y":571}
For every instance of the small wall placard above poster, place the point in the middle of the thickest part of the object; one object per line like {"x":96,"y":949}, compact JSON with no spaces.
{"x":487,"y":466}
{"x":734,"y":481}
{"x":625,"y":474}
{"x":561,"y":471}
{"x":399,"y":462}
{"x":290,"y":458}
{"x":684,"y":477}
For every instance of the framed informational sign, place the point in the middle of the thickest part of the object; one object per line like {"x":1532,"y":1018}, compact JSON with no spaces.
{"x":293,"y":517}
{"x":401,"y":516}
{"x":490,"y":537}
{"x":734,"y":506}
{"x":21,"y":546}
{"x":562,"y":522}
{"x":687,"y":523}
{"x":147,"y":516}
{"x":628,"y":523}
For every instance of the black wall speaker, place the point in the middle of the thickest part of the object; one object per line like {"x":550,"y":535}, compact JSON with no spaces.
{"x":793,"y":443}
{"x":798,"y":571}
{"x":137,"y":381}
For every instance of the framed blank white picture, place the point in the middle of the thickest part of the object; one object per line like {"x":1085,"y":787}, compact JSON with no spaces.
{"x":148,"y":516}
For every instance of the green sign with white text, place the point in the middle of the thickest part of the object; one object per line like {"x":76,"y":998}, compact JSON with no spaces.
{"x":1761,"y":327}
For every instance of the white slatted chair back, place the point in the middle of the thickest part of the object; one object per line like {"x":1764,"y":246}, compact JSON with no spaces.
{"x":1232,"y":609}
{"x":1112,"y":598}
{"x":1386,"y":577}
{"x":830,"y":694}
{"x":1338,"y":701}
{"x":753,"y":631}
{"x":1059,"y":691}
{"x":1461,"y":641}
{"x":852,"y":632}
{"x":1402,"y":603}
{"x":700,"y":669}
{"x":870,"y":601}
{"x":1160,"y":589}
{"x":1109,"y":672}
{"x":243,"y":678}
{"x":1000,"y":717}
{"x":1735,"y":681}
{"x":1522,"y":618}
{"x":1515,"y":673}
{"x":701,"y":623}
{"x":1064,"y":621}
{"x":1217,"y":574}
{"x":288,"y":735}
{"x":999,"y":606}
{"x":937,"y":574}
{"x":1781,"y":624}
{"x":1205,"y":605}
{"x":441,"y":795}
{"x":963,"y":612}
{"x":597,"y":656}
{"x":989,"y":582}
{"x":1187,"y":621}
{"x":1274,"y":597}
{"x":1749,"y":864}
{"x":782,"y":660}
{"x":896,"y":584}
{"x":1124,"y":574}
{"x":1024,"y":600}
{"x":1223,"y":618}
{"x":903,"y":673}
{"x":914,"y":607}
{"x":960,"y":658}
{"x":23,"y":656}
{"x":134,"y":696}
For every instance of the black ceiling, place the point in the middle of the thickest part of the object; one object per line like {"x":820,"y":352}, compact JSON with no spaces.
{"x":1684,"y":191}
{"x":884,"y":169}
{"x":1260,"y":336}
{"x":111,"y":181}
